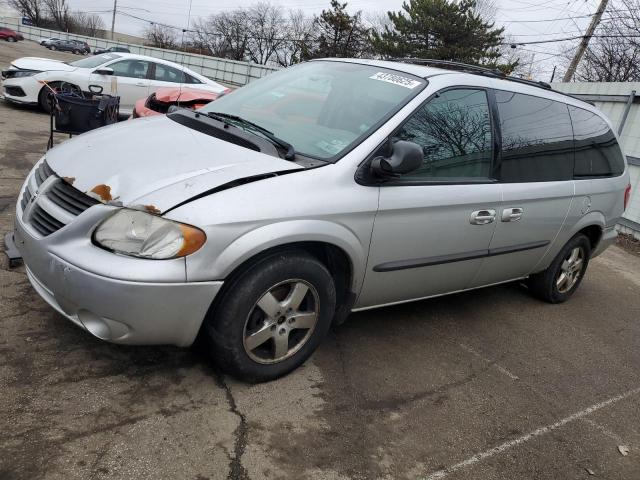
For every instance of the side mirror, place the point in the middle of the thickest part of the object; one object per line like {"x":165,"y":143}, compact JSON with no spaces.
{"x":104,"y":71}
{"x":405,"y":157}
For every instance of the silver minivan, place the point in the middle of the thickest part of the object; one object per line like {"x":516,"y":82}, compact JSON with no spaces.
{"x":330,"y":187}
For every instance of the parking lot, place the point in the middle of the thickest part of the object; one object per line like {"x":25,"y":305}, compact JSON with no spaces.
{"x":489,"y":384}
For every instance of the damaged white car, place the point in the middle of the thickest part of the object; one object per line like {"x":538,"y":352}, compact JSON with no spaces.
{"x":30,"y":80}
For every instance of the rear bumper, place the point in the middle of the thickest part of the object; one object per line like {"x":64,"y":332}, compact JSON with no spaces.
{"x":609,"y":235}
{"x":116,"y":310}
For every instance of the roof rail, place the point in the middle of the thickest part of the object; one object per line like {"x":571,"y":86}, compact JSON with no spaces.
{"x":478,"y":70}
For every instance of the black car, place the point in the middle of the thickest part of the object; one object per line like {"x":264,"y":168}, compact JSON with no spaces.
{"x":98,"y":51}
{"x":84,"y":46}
{"x":67,"y":46}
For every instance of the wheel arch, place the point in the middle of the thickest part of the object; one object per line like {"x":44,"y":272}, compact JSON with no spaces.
{"x":333,"y":245}
{"x":592,"y":225}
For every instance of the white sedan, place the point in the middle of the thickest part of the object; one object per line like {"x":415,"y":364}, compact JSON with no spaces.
{"x":29,"y":80}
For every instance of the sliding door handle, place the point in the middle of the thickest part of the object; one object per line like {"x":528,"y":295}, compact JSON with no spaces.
{"x":482,"y":217}
{"x":512,"y":214}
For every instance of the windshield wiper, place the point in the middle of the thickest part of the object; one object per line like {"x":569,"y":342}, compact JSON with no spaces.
{"x":223,"y":117}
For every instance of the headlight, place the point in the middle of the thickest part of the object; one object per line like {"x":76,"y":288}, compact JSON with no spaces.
{"x":140,"y":234}
{"x":20,"y":73}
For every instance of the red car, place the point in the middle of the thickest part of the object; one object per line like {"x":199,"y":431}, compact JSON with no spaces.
{"x":159,"y":102}
{"x":10,"y":35}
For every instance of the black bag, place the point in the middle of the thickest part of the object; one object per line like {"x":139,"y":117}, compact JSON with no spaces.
{"x":75,"y":114}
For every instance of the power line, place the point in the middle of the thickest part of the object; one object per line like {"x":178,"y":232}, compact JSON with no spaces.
{"x":546,"y":19}
{"x":568,"y":38}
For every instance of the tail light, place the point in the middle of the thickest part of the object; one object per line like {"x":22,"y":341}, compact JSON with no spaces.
{"x":627,"y":196}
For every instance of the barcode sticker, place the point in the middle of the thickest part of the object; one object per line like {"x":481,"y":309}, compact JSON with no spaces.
{"x":399,"y":80}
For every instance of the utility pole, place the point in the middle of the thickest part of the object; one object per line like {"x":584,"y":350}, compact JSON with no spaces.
{"x":113,"y":18}
{"x":584,"y":43}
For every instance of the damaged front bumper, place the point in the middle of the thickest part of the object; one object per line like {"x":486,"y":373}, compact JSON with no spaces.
{"x":119,"y":310}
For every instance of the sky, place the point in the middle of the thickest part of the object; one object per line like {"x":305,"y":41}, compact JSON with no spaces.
{"x":524,"y":20}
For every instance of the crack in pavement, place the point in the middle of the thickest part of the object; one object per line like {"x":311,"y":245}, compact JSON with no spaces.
{"x":241,"y":433}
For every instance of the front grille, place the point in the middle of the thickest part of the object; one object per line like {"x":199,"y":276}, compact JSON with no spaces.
{"x":63,"y":198}
{"x":26,"y":196}
{"x":43,"y":172}
{"x":69,"y":198}
{"x":43,"y":222}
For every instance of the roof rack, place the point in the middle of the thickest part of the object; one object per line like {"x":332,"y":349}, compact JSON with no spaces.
{"x":463,"y":67}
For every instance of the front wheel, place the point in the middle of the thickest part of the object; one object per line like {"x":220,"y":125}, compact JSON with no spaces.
{"x":45,"y":97}
{"x":561,"y":279}
{"x":52,"y":47}
{"x":11,"y":39}
{"x":271,"y":317}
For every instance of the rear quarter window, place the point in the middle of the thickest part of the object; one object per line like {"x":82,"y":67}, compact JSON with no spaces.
{"x":537,"y":139}
{"x":597,"y":153}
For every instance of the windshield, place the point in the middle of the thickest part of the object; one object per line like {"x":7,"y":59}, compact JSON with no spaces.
{"x":321,"y":107}
{"x":91,"y":62}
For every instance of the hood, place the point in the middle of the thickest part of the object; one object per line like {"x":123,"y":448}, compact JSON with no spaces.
{"x":155,"y":162}
{"x":42,"y":64}
{"x":171,"y":95}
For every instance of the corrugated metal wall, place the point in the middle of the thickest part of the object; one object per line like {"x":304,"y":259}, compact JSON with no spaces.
{"x":611,"y":98}
{"x":229,"y":72}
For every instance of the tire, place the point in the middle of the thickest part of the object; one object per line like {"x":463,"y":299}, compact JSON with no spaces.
{"x":44,"y":98}
{"x":255,"y":346}
{"x":52,"y":48}
{"x":76,"y":52}
{"x":11,"y":39}
{"x":549,"y":285}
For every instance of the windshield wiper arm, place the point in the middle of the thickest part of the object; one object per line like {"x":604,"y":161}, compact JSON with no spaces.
{"x":223,"y":117}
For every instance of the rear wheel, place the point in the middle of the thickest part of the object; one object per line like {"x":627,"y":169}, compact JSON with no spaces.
{"x":11,"y":39}
{"x":561,"y":279}
{"x":272,"y":317}
{"x":76,"y":52}
{"x":52,"y":47}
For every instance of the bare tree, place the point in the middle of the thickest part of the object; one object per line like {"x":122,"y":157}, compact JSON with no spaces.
{"x":266,"y":23}
{"x":160,"y":36}
{"x":613,"y":54}
{"x":487,"y":9}
{"x":95,"y":25}
{"x":58,"y":11}
{"x":299,"y":28}
{"x":223,"y":35}
{"x":86,"y":24}
{"x":610,"y":58}
{"x":34,"y":10}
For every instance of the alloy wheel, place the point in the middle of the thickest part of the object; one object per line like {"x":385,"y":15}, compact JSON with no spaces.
{"x":570,"y":270}
{"x":281,"y":321}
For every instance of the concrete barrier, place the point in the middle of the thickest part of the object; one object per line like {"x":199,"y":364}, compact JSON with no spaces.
{"x":231,"y":72}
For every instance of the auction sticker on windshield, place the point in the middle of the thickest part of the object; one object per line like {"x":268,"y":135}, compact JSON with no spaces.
{"x":395,"y":79}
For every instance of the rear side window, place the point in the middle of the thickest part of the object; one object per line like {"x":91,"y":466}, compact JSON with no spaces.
{"x":190,"y":79}
{"x":537,"y":139}
{"x":130,"y":68}
{"x":454,"y":131}
{"x":597,"y":151}
{"x":164,"y":73}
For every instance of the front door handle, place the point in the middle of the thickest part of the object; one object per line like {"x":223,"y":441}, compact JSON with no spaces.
{"x":512,"y":214}
{"x":482,"y":217}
